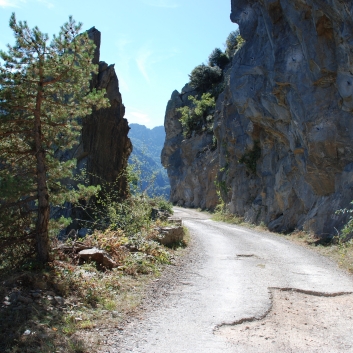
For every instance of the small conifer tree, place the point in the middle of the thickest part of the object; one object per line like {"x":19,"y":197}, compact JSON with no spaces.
{"x":44,"y":91}
{"x":204,"y":77}
{"x":218,"y":58}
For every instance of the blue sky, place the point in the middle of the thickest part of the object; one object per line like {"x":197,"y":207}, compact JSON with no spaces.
{"x":154,"y":44}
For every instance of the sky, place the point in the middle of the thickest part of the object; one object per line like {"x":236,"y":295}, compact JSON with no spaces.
{"x":154,"y":44}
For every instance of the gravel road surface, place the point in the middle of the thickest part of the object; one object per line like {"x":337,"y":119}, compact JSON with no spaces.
{"x":240,"y":290}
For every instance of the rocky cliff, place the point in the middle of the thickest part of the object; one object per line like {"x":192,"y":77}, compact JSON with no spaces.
{"x":284,"y":122}
{"x":192,"y":164}
{"x":105,"y":147}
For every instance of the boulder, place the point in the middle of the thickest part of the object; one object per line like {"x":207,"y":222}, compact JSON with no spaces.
{"x":170,"y":235}
{"x":101,"y":257}
{"x":175,"y":221}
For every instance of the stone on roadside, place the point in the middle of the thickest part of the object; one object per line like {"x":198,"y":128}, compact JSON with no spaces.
{"x":99,"y":256}
{"x":59,"y":300}
{"x":175,"y":221}
{"x":170,"y":235}
{"x":115,"y":314}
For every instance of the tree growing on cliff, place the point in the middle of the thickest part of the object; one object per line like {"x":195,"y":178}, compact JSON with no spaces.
{"x":44,"y":90}
{"x":204,"y":77}
{"x":218,"y":58}
{"x":199,"y":114}
{"x":234,"y":42}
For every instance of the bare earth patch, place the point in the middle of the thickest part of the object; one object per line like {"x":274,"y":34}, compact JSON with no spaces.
{"x":297,"y":322}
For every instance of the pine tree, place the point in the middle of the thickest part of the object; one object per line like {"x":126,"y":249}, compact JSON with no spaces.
{"x":44,"y":92}
{"x":218,"y":58}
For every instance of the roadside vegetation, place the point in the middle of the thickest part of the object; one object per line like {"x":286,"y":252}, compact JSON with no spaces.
{"x":51,"y":295}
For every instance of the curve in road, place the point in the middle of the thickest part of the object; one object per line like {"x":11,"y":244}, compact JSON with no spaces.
{"x":240,"y":290}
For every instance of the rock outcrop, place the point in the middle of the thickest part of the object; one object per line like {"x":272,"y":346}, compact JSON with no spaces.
{"x":192,"y":163}
{"x":284,"y":122}
{"x":105,"y":147}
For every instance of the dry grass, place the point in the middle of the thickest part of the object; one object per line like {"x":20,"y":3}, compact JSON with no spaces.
{"x":228,"y":218}
{"x":93,"y":298}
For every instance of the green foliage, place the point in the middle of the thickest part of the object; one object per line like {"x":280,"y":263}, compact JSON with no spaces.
{"x":347,"y":230}
{"x":218,"y":58}
{"x":146,"y":154}
{"x":120,"y":225}
{"x":221,"y":214}
{"x":250,"y":158}
{"x":204,"y":77}
{"x":109,"y":211}
{"x":234,"y":42}
{"x":145,"y":160}
{"x":163,"y":205}
{"x":198,"y":115}
{"x":221,"y":186}
{"x":44,"y":90}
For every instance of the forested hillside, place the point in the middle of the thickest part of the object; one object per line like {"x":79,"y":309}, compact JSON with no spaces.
{"x":145,"y":159}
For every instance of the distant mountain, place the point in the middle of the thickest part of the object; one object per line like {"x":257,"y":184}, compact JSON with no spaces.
{"x":146,"y":155}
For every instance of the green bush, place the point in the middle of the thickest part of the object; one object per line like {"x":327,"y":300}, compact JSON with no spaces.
{"x":204,"y":77}
{"x":347,"y":230}
{"x":198,"y":115}
{"x":234,"y":42}
{"x":218,"y":58}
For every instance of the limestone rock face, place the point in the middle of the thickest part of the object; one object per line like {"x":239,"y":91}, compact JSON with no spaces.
{"x":105,"y":146}
{"x":291,"y":90}
{"x":284,"y":122}
{"x":192,"y":164}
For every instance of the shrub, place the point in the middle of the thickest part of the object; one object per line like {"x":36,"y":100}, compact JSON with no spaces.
{"x":347,"y":230}
{"x":204,"y":77}
{"x":234,"y":42}
{"x":218,"y":58}
{"x":199,"y":114}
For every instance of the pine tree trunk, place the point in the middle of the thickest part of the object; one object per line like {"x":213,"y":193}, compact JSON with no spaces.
{"x":42,"y":235}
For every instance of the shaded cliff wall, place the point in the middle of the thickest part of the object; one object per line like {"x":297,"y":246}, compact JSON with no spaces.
{"x":288,"y":111}
{"x":192,"y":163}
{"x":105,"y":147}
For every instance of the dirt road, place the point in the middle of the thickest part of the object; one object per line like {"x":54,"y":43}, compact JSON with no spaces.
{"x":240,"y":290}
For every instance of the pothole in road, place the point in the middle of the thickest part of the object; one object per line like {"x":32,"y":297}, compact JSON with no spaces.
{"x":246,"y":255}
{"x":297,"y":321}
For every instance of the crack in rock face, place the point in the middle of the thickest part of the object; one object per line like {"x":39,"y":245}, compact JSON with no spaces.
{"x":296,"y":321}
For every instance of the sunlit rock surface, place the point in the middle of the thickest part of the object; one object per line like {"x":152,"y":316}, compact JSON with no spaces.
{"x":192,"y":164}
{"x":290,"y":98}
